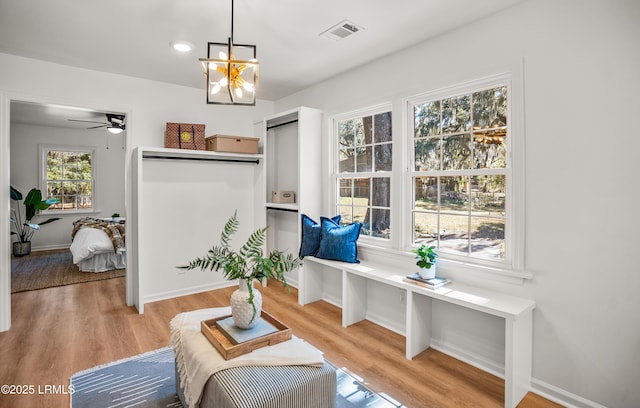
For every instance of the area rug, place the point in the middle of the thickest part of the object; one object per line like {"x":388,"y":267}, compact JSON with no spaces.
{"x":148,"y":380}
{"x":47,"y":269}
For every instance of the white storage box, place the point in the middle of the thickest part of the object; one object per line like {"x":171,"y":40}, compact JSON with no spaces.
{"x":283,"y":197}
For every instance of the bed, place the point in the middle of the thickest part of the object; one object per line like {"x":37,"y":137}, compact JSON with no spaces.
{"x":98,"y":245}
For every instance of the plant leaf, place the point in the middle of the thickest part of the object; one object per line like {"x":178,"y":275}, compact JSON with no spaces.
{"x":229,"y":229}
{"x":253,"y":247}
{"x":15,"y":194}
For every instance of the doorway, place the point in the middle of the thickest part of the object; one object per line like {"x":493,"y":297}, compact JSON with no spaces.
{"x":26,"y":126}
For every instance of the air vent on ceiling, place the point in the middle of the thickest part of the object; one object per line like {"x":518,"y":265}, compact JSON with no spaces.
{"x":341,"y":30}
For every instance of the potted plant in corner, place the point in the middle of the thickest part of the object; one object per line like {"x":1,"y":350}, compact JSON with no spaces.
{"x":426,"y":257}
{"x":24,"y":229}
{"x":247,"y":264}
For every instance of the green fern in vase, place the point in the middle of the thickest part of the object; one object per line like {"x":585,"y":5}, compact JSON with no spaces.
{"x":249,"y":262}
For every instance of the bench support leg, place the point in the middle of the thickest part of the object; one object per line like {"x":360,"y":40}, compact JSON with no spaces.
{"x":518,"y":355}
{"x":354,"y":299}
{"x":309,"y":283}
{"x":418,"y":324}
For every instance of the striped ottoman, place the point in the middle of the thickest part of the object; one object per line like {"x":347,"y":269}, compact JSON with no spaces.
{"x":269,"y":387}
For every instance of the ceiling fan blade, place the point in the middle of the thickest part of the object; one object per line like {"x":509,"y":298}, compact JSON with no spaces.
{"x":87,"y":121}
{"x":96,"y":127}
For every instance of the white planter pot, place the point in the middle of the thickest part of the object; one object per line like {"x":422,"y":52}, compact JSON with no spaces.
{"x":241,"y":310}
{"x":427,"y":273}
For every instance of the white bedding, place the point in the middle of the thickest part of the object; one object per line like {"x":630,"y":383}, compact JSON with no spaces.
{"x":93,"y":251}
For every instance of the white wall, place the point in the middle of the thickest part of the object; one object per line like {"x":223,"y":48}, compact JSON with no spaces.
{"x":148,"y":104}
{"x":109,"y":174}
{"x":188,"y":205}
{"x":582,"y":81}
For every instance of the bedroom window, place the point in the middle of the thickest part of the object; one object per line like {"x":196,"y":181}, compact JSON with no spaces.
{"x":460,"y":177}
{"x":363,"y":171}
{"x":68,"y":175}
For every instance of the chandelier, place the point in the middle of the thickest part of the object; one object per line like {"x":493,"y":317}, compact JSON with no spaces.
{"x":231,"y":71}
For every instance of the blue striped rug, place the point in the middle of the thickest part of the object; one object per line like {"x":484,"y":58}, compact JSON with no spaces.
{"x":148,"y":381}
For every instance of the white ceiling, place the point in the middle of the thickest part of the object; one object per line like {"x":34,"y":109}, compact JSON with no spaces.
{"x":132,"y":37}
{"x":58,"y":116}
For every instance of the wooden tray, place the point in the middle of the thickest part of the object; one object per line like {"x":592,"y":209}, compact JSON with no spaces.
{"x":228,"y":350}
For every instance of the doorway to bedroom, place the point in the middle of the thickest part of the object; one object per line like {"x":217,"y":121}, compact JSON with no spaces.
{"x":70,"y":154}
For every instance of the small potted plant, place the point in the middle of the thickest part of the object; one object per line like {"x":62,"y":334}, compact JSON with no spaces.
{"x":247,"y":265}
{"x":115,"y":217}
{"x":24,"y":229}
{"x":426,"y":257}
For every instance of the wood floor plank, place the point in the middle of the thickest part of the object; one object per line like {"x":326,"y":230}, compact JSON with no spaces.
{"x":59,"y":331}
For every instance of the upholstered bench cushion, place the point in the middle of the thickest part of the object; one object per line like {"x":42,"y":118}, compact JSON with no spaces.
{"x":269,"y":387}
{"x":289,"y":374}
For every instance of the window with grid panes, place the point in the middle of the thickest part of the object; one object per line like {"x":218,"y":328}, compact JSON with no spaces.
{"x":68,"y":176}
{"x":363,"y":177}
{"x":460,"y":173}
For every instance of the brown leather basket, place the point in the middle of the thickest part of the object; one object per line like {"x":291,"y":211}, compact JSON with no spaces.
{"x":184,"y":136}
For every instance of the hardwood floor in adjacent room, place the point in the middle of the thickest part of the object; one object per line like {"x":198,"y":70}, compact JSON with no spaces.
{"x":58,"y":331}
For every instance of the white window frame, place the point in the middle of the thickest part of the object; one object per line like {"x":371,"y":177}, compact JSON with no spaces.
{"x":43,"y":150}
{"x":513,"y":264}
{"x":335,"y":174}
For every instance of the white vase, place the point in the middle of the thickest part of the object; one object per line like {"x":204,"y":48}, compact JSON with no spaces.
{"x":243,"y":313}
{"x":429,"y":273}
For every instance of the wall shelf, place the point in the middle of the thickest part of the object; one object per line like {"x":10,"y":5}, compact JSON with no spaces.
{"x":202,"y":155}
{"x":282,"y":207}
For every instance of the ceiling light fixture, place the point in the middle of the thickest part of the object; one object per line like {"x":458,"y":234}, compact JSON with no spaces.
{"x":114,"y":124}
{"x":115,"y":128}
{"x":232,"y":77}
{"x":182,"y":46}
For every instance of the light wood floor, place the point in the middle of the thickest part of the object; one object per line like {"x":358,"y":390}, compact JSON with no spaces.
{"x":58,"y":331}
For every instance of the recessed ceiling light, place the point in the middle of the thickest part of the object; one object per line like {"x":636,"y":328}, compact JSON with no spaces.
{"x":182,"y":46}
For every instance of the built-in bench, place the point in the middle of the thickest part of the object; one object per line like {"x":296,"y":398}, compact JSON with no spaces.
{"x":516,"y":312}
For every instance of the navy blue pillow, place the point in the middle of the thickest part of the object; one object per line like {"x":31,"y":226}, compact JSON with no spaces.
{"x":339,"y":242}
{"x":311,"y":235}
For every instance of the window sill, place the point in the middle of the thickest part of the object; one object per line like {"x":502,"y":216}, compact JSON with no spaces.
{"x":68,"y":212}
{"x":458,"y":270}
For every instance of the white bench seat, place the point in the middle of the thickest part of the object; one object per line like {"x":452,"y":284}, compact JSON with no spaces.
{"x":516,"y":312}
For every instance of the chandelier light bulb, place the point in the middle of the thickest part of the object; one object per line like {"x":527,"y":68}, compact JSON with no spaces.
{"x":248,"y":87}
{"x":239,"y":92}
{"x":215,"y":88}
{"x":222,"y":55}
{"x":224,"y":81}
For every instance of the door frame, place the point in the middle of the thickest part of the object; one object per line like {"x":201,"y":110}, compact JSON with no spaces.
{"x":5,"y":180}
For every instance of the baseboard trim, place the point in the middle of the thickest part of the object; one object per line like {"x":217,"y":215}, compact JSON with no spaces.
{"x":386,"y":323}
{"x":333,"y":301}
{"x":50,"y":247}
{"x":560,"y":396}
{"x":490,"y":366}
{"x":155,"y":297}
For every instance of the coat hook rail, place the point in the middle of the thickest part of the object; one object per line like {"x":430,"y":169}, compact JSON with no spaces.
{"x":282,"y":124}
{"x":282,"y":209}
{"x":152,"y":156}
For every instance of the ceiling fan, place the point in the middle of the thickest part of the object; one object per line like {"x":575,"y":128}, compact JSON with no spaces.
{"x":114,"y":123}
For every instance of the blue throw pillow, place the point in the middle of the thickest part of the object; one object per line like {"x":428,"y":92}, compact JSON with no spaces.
{"x":311,"y":235}
{"x":339,"y":243}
